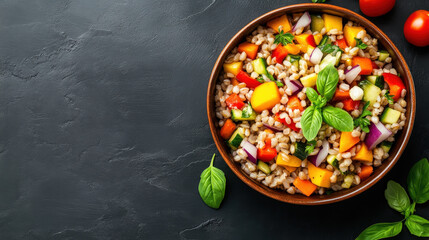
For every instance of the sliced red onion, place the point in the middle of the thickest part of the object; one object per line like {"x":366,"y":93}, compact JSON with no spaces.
{"x":377,"y":134}
{"x":294,"y":85}
{"x":316,"y":56}
{"x":275,"y":129}
{"x":352,"y":73}
{"x":303,"y":22}
{"x":321,"y":155}
{"x":251,"y":151}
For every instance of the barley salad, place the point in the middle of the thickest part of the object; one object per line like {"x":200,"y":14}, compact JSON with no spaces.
{"x":309,"y":104}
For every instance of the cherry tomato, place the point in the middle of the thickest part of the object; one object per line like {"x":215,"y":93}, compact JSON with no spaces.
{"x":416,"y":28}
{"x":375,"y":8}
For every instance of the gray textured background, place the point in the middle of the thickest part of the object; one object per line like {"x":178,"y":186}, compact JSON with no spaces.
{"x":103,"y":129}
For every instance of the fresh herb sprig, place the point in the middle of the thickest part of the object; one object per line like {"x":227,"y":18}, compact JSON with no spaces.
{"x":362,"y":121}
{"x":283,"y":38}
{"x":360,"y":44}
{"x":311,"y":120}
{"x":397,"y":198}
{"x":326,"y":47}
{"x":389,"y":97}
{"x":212,"y":185}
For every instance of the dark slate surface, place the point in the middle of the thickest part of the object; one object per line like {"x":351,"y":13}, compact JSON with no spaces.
{"x":104,"y":131}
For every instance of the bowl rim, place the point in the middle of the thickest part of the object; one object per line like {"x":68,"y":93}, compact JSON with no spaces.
{"x":342,"y":194}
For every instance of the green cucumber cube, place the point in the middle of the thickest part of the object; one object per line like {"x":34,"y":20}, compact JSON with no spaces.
{"x":236,"y":138}
{"x":390,"y":116}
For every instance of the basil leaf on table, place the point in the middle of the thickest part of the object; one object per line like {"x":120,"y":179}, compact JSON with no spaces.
{"x":312,"y":94}
{"x":418,"y":226}
{"x":311,"y":121}
{"x":212,"y":185}
{"x":397,"y":197}
{"x":337,"y":118}
{"x":327,"y":81}
{"x":380,"y":231}
{"x":418,"y":181}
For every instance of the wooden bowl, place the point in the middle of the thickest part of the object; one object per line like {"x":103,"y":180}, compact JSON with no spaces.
{"x":379,"y":172}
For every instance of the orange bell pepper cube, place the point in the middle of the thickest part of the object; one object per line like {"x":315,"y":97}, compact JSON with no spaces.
{"x":243,"y":77}
{"x":364,"y":63}
{"x":395,"y":85}
{"x":291,"y":125}
{"x":234,"y":82}
{"x":227,"y":129}
{"x":350,"y":105}
{"x":347,"y":141}
{"x":365,"y":172}
{"x":292,"y":48}
{"x":267,"y":153}
{"x":294,"y":103}
{"x":341,"y":95}
{"x":249,"y":48}
{"x":305,"y":186}
{"x":279,"y":53}
{"x":341,"y":43}
{"x":234,"y":102}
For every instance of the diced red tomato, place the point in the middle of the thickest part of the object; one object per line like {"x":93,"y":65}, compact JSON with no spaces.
{"x":243,"y":77}
{"x":234,"y":102}
{"x":291,"y":125}
{"x":295,"y":103}
{"x":341,"y":43}
{"x":279,"y":53}
{"x":267,"y":153}
{"x":395,"y":85}
{"x":250,"y":49}
{"x":341,"y":95}
{"x":350,"y":105}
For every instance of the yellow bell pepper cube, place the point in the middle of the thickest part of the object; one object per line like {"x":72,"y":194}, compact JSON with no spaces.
{"x":350,"y":33}
{"x":319,"y":176}
{"x":265,"y":96}
{"x":302,"y":38}
{"x":317,"y":38}
{"x":292,"y":49}
{"x":290,"y":169}
{"x":233,"y":67}
{"x":288,"y":160}
{"x":282,"y":21}
{"x":364,"y":154}
{"x":332,"y":22}
{"x":309,"y":80}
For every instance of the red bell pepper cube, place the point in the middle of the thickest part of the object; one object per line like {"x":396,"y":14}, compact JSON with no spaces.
{"x":341,"y":43}
{"x":395,"y":85}
{"x":279,"y":53}
{"x":341,"y":95}
{"x":243,"y":77}
{"x":295,"y":103}
{"x":350,"y":105}
{"x":234,"y":102}
{"x":291,"y":125}
{"x":267,"y":153}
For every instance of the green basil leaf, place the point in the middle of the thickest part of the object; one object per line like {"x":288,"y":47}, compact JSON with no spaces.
{"x":380,"y":231}
{"x":212,"y":185}
{"x":397,"y":197}
{"x":312,"y":94}
{"x":327,"y":81}
{"x":337,"y":118}
{"x":311,"y":121}
{"x":418,"y":181}
{"x":418,"y":226}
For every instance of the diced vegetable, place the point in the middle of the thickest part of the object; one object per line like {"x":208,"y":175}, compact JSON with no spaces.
{"x":347,"y":141}
{"x":332,"y":22}
{"x":364,"y":63}
{"x":243,"y":77}
{"x":356,"y":93}
{"x":267,"y":153}
{"x":305,"y":186}
{"x":292,"y":49}
{"x":235,"y":82}
{"x":377,"y":134}
{"x":329,"y":59}
{"x":317,"y":23}
{"x":294,"y":59}
{"x":331,"y":159}
{"x":317,"y":38}
{"x":251,"y":151}
{"x":264,"y":167}
{"x":236,"y":138}
{"x":321,"y":155}
{"x":250,"y":49}
{"x":376,"y":80}
{"x":290,"y":169}
{"x":280,"y":22}
{"x":306,"y":39}
{"x":265,"y":96}
{"x":291,"y":125}
{"x":390,"y":116}
{"x":383,"y":55}
{"x":234,"y":102}
{"x":364,"y":154}
{"x":247,"y":114}
{"x":272,"y":128}
{"x":309,"y":80}
{"x":233,"y":67}
{"x":352,"y":73}
{"x":386,"y":146}
{"x":260,"y":66}
{"x":348,"y":180}
{"x":294,"y":103}
{"x":350,"y":105}
{"x":316,"y":56}
{"x":319,"y":176}
{"x":294,"y":85}
{"x":350,"y":33}
{"x":341,"y":43}
{"x":300,"y":150}
{"x":341,"y":95}
{"x":303,"y":22}
{"x":365,"y":172}
{"x":288,"y":160}
{"x":370,"y":91}
{"x":279,"y":53}
{"x":395,"y":85}
{"x":227,"y":129}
